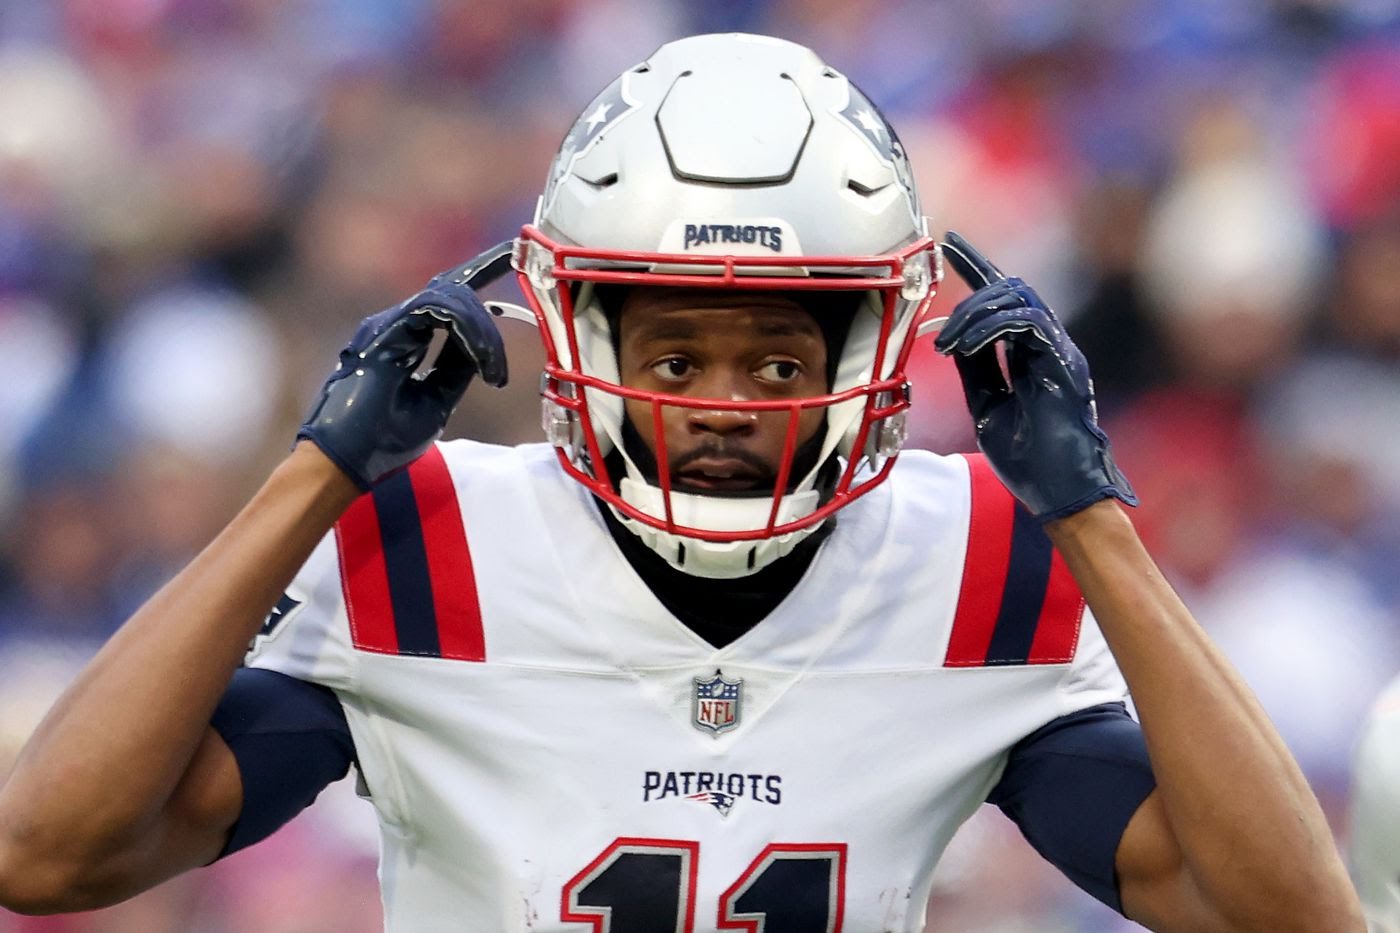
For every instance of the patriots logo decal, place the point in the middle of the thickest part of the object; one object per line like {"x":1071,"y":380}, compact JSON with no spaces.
{"x":866,"y":118}
{"x":718,"y":799}
{"x":606,"y":109}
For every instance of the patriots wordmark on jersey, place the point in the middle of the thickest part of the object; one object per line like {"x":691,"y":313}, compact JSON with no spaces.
{"x":547,"y":748}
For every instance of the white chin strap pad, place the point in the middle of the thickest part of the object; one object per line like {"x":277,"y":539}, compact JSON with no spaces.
{"x":714,"y":559}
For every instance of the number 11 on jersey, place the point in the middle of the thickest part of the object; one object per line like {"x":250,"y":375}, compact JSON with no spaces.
{"x":648,"y":886}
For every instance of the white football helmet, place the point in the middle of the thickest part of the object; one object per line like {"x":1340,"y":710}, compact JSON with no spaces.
{"x":729,"y":161}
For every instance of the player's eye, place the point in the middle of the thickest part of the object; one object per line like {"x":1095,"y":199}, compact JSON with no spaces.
{"x":672,"y":368}
{"x":779,"y":370}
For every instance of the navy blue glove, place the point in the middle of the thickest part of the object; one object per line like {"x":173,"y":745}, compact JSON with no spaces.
{"x":380,"y":410}
{"x":1040,"y":431}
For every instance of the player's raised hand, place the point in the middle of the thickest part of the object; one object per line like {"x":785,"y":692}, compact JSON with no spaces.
{"x":386,"y":401}
{"x":1036,"y":423}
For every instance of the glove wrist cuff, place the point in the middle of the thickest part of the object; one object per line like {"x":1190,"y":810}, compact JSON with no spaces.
{"x":356,"y":477}
{"x":1083,"y":502}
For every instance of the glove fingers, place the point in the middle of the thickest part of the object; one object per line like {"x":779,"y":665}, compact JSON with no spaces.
{"x":968,"y":262}
{"x":452,"y":373}
{"x":369,"y":330}
{"x":984,"y":386}
{"x":471,"y":325}
{"x":973,"y":309}
{"x":402,"y":343}
{"x":1004,"y":324}
{"x":985,"y":324}
{"x":406,"y":343}
{"x":481,"y":270}
{"x":482,"y":342}
{"x":1029,"y":370}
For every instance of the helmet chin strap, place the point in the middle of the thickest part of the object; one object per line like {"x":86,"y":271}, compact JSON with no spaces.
{"x":715,"y":559}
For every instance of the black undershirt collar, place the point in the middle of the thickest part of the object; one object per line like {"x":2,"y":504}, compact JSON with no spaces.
{"x":719,"y":611}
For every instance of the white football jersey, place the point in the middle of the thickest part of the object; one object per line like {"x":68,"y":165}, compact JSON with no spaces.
{"x":548,"y":748}
{"x":1375,"y":814}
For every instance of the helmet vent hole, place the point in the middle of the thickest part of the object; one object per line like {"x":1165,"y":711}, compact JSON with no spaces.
{"x":641,"y":69}
{"x":607,"y":181}
{"x":862,"y":190}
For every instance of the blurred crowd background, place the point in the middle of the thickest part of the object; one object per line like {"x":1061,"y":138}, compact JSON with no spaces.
{"x":199,"y":199}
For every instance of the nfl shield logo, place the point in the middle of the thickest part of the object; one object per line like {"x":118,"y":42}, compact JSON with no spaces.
{"x":714,"y":705}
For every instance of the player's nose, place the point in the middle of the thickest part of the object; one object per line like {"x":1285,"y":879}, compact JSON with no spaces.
{"x":721,"y":421}
{"x":729,"y":384}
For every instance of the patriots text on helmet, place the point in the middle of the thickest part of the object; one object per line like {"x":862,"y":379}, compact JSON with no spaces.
{"x":706,"y":234}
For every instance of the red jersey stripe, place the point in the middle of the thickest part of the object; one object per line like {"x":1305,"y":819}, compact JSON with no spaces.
{"x":984,"y":567}
{"x":1057,"y":630}
{"x":460,"y":633}
{"x":364,"y":579}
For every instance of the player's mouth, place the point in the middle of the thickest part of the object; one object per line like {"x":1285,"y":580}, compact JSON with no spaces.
{"x":711,"y":471}
{"x":718,"y":476}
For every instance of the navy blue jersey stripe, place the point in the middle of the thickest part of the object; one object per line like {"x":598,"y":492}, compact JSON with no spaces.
{"x":406,"y":560}
{"x":1024,"y":593}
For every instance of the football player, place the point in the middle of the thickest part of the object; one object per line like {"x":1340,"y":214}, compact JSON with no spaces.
{"x":1375,"y":814}
{"x":711,"y":657}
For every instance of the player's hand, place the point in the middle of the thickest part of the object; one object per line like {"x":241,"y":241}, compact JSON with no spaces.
{"x":382,"y":408}
{"x":1039,"y":427}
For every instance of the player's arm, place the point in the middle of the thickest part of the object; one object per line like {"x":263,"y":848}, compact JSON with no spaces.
{"x":1232,"y":838}
{"x":125,"y":783}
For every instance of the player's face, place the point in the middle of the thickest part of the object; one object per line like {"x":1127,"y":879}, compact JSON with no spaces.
{"x":741,"y":346}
